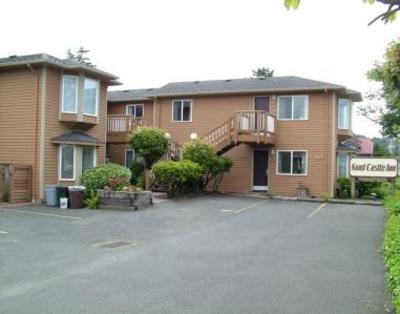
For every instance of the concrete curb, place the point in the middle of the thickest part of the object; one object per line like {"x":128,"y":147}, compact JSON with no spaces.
{"x":312,"y":200}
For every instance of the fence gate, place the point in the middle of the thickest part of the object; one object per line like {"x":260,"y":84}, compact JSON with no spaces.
{"x":20,"y":183}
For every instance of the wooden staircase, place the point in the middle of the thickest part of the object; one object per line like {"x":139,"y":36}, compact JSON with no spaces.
{"x":252,"y":127}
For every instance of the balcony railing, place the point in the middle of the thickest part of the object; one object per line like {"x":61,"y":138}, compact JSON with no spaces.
{"x":123,"y":123}
{"x":255,"y":121}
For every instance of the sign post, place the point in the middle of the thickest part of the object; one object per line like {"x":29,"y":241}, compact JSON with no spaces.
{"x":372,"y":169}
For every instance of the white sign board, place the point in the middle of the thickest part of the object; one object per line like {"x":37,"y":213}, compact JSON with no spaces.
{"x":373,"y":167}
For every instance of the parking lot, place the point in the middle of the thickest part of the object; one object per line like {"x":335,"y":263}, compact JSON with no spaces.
{"x":213,"y":254}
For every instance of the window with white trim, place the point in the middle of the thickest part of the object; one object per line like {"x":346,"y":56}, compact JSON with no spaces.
{"x":343,"y":165}
{"x":291,"y":162}
{"x":182,"y":111}
{"x":90,"y":97}
{"x":131,"y":157}
{"x":88,"y":157}
{"x":135,"y":110}
{"x":69,"y":94}
{"x":344,"y":111}
{"x":67,"y":162}
{"x":293,"y":107}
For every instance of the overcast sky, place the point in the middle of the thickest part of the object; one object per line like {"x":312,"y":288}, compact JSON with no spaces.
{"x":149,"y":43}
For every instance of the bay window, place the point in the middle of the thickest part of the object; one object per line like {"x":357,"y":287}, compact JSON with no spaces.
{"x":91,"y":97}
{"x":67,"y":162}
{"x":69,"y":94}
{"x":88,"y":157}
{"x":291,"y":162}
{"x":293,"y":107}
{"x":344,"y":113}
{"x":182,"y":111}
{"x":74,"y":160}
{"x":343,"y":165}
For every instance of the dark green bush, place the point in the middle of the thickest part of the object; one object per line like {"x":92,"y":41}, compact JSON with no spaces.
{"x":212,"y":166}
{"x":104,"y":175}
{"x":344,"y":185}
{"x":181,"y":177}
{"x":149,"y":143}
{"x":92,"y":200}
{"x":381,"y":189}
{"x":137,"y":170}
{"x":391,"y":246}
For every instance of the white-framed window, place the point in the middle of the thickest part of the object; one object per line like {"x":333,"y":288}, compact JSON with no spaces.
{"x":342,"y":164}
{"x":136,"y":110}
{"x":67,"y":162}
{"x":344,"y":111}
{"x":292,"y":162}
{"x":130,"y":157}
{"x":69,"y":102}
{"x":293,"y":107}
{"x":90,"y":97}
{"x":89,"y":157}
{"x":182,"y":110}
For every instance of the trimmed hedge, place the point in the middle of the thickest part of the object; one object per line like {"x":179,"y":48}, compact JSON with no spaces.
{"x":391,"y":247}
{"x":180,"y":176}
{"x":109,"y":174}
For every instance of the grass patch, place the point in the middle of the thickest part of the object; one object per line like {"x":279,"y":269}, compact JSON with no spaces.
{"x":391,"y":247}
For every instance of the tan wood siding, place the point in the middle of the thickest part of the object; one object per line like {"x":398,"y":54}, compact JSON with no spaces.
{"x":18,"y":99}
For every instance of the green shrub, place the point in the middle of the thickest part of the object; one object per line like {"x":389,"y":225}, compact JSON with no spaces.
{"x":391,"y":247}
{"x":92,"y":200}
{"x":106,"y":175}
{"x":212,"y":166}
{"x":137,"y":170}
{"x":180,"y":176}
{"x":149,"y":143}
{"x":381,"y":189}
{"x":344,"y":185}
{"x":326,"y":197}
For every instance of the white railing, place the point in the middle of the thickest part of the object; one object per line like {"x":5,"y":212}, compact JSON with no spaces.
{"x":255,"y":121}
{"x":123,"y":123}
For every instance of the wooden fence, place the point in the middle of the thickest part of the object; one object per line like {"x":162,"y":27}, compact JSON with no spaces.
{"x":15,"y":183}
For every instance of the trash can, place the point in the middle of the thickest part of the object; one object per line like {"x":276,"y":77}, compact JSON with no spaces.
{"x":51,"y":195}
{"x":76,"y":195}
{"x":62,"y":192}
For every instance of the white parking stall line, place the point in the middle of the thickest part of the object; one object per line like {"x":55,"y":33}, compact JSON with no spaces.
{"x":241,"y":210}
{"x":317,"y":210}
{"x":41,"y":214}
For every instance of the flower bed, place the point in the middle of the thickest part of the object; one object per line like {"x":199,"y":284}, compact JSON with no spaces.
{"x":127,"y":200}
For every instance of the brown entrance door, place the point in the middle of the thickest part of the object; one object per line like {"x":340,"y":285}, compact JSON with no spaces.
{"x":260,"y":170}
{"x":261,"y":103}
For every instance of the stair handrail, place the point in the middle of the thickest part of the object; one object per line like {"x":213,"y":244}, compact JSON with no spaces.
{"x":221,"y":133}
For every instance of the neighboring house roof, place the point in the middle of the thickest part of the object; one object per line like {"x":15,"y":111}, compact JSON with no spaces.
{"x":43,"y":58}
{"x":347,"y":147}
{"x":249,"y":85}
{"x":129,"y":95}
{"x":76,"y":137}
{"x":364,"y":145}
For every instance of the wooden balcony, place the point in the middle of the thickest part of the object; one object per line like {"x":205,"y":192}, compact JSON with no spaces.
{"x":119,"y":126}
{"x":251,"y":127}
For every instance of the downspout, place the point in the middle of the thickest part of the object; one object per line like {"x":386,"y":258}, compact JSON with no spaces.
{"x":35,"y":168}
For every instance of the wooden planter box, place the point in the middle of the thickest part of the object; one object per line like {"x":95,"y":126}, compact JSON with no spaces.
{"x":124,"y":199}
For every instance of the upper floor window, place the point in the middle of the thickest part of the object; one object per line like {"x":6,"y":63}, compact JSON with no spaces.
{"x":182,"y":110}
{"x":135,"y":110}
{"x":344,"y":113}
{"x":293,"y":107}
{"x":292,"y":162}
{"x":69,"y":94}
{"x":91,"y":97}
